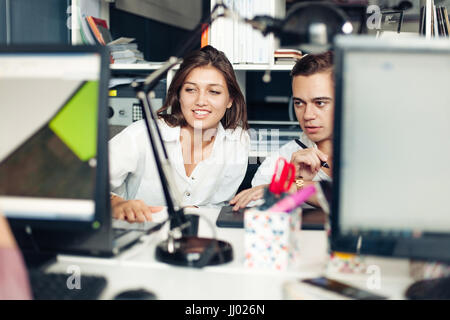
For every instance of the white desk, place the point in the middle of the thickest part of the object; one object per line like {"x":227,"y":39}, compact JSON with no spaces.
{"x":137,"y":267}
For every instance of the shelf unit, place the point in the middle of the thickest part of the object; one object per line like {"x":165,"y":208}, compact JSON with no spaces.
{"x":236,"y":67}
{"x":100,"y":8}
{"x":141,"y":70}
{"x":240,"y":70}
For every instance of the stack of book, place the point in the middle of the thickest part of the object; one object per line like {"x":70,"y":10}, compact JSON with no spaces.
{"x":95,"y":31}
{"x":287,"y":56}
{"x":125,"y":52}
{"x":434,"y":21}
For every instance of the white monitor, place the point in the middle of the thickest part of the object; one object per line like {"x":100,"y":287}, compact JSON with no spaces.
{"x":49,"y":133}
{"x":391,"y":140}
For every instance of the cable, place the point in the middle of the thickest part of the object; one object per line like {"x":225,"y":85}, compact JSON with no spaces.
{"x":29,"y":232}
{"x":145,"y":240}
{"x":209,"y":251}
{"x":8,"y":21}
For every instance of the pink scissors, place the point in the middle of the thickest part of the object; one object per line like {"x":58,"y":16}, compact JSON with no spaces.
{"x":283,"y":177}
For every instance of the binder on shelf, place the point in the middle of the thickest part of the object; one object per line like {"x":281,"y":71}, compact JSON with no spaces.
{"x":239,"y":41}
{"x":99,"y":29}
{"x":446,"y":21}
{"x":427,"y":8}
{"x":85,"y":33}
{"x":422,"y":21}
{"x":440,"y":22}
{"x":204,"y":39}
{"x":433,"y":20}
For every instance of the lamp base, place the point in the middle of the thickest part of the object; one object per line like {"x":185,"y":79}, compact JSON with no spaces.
{"x":194,"y":252}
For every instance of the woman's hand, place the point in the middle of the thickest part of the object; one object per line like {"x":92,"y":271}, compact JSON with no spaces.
{"x":132,"y":210}
{"x":246,"y":196}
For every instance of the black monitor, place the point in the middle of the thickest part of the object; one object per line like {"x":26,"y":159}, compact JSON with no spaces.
{"x":54,"y":186}
{"x":391,"y":148}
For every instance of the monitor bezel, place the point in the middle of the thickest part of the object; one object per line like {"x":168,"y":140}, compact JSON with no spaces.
{"x":429,"y":246}
{"x":102,"y":191}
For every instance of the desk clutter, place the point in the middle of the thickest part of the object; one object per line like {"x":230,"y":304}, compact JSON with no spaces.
{"x":272,"y":229}
{"x":346,"y":263}
{"x":95,"y":31}
{"x":272,"y":239}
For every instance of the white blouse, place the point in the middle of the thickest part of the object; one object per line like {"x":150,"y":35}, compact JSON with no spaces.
{"x":214,"y":181}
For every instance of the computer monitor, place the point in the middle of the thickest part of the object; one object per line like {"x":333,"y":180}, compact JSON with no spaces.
{"x":391,"y":178}
{"x":53,"y":152}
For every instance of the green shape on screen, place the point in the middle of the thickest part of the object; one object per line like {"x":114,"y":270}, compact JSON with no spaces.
{"x":76,"y":123}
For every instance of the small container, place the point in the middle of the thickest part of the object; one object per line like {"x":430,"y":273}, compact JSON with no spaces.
{"x":272,"y":239}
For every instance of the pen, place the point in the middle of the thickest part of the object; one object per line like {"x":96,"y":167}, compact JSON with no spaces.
{"x":301,"y":144}
{"x":292,"y":202}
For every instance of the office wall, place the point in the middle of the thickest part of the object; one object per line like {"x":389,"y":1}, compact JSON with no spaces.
{"x":35,"y":21}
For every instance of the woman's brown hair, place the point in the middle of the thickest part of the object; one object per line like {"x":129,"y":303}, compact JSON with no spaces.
{"x":207,"y":56}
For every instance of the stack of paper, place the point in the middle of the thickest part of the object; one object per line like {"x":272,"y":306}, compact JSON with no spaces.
{"x":123,"y":51}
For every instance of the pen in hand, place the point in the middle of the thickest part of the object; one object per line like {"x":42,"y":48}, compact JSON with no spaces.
{"x":301,"y":144}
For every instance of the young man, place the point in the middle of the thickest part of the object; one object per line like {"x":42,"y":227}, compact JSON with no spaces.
{"x":313,"y":97}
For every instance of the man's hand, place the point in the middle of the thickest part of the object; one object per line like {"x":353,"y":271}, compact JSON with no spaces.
{"x":307,"y":162}
{"x":246,"y":196}
{"x":132,"y":210}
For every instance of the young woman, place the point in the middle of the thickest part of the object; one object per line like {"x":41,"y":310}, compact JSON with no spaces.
{"x":203,"y":124}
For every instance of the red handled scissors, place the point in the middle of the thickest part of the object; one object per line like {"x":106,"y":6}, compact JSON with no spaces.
{"x":283,"y":177}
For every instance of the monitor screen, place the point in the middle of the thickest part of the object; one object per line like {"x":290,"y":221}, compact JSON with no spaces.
{"x":391,"y":140}
{"x":48,"y":133}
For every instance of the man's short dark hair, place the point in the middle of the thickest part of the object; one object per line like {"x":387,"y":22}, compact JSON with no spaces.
{"x":313,"y":63}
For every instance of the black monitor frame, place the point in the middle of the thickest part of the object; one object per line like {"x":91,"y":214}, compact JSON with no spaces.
{"x":429,"y":246}
{"x":101,"y":194}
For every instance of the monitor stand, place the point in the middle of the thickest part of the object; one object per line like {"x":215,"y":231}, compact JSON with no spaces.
{"x":430,"y":289}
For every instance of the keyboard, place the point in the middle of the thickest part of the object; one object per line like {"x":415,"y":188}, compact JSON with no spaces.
{"x":55,"y":286}
{"x":117,"y":233}
{"x":312,"y":219}
{"x":230,"y":219}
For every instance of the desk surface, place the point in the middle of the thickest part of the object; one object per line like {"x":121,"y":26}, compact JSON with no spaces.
{"x":138,"y":268}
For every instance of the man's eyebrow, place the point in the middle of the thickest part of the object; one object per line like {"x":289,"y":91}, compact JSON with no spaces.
{"x":296,"y":98}
{"x":322,"y":98}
